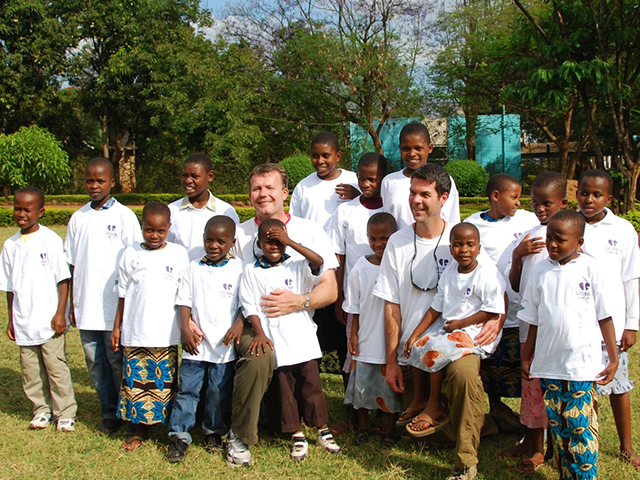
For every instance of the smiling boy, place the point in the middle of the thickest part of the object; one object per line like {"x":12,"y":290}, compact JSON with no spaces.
{"x":190,"y":214}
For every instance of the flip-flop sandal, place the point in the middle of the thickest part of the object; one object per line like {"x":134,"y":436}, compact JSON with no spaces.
{"x":528,"y":466}
{"x":433,"y":425}
{"x":342,"y":427}
{"x":362,"y":436}
{"x":407,"y":416}
{"x":633,"y":461}
{"x":131,"y":444}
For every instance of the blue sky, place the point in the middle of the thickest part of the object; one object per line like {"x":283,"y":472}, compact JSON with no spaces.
{"x":215,"y":5}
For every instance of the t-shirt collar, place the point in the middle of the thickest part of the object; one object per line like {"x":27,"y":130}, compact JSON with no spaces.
{"x":211,"y":203}
{"x":262,"y":261}
{"x":108,"y":204}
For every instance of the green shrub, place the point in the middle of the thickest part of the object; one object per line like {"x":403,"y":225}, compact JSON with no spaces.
{"x":471,"y":178}
{"x":297,"y":167}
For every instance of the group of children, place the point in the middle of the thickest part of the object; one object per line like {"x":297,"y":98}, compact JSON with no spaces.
{"x":563,"y":283}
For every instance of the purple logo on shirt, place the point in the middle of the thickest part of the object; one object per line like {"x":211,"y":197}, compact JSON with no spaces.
{"x":227,"y":286}
{"x":584,"y":286}
{"x":111,"y":228}
{"x":169,"y":269}
{"x":288,"y":282}
{"x":613,"y":243}
{"x":443,"y":262}
{"x":467,"y":292}
{"x":43,"y":255}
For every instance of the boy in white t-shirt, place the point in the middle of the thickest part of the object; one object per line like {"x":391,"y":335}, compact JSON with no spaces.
{"x":367,"y":388}
{"x":568,"y":304}
{"x":96,"y":236}
{"x":292,"y":337}
{"x":614,"y":243}
{"x":548,"y":197}
{"x":317,"y":196}
{"x":146,"y":325}
{"x":499,"y":227}
{"x":415,"y":147}
{"x":208,"y":293}
{"x":35,"y":275}
{"x":190,"y":214}
{"x":469,"y":294}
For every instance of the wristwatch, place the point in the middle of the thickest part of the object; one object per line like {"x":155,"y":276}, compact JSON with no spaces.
{"x":307,"y":301}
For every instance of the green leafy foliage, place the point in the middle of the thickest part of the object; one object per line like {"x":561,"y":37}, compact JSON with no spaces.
{"x":298,"y":167}
{"x":33,"y":156}
{"x":471,"y":178}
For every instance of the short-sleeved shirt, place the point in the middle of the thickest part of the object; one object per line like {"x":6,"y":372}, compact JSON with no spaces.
{"x":188,"y":222}
{"x":497,"y":240}
{"x":395,"y":199}
{"x":614,"y":243}
{"x":566,"y":302}
{"x":348,"y":232}
{"x":294,"y":335}
{"x":32,"y":267}
{"x":316,"y":199}
{"x":95,"y":240}
{"x":461,"y":295}
{"x":359,"y":299}
{"x":148,"y":282}
{"x":394,"y":281}
{"x":212,"y":294}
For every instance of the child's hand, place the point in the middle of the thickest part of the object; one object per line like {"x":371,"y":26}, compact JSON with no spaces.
{"x":409,"y":345}
{"x":346,"y":191}
{"x":59,"y":324}
{"x":115,"y":339}
{"x":529,"y":246}
{"x":341,"y":315}
{"x":451,"y":325}
{"x":233,"y":334}
{"x":72,"y":316}
{"x":525,"y":367}
{"x":260,"y":341}
{"x":628,"y":340}
{"x":10,"y":332}
{"x":608,"y":373}
{"x":353,"y":344}
{"x":279,"y":234}
{"x":190,"y":340}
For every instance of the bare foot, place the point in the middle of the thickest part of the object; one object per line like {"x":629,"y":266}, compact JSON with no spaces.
{"x":630,"y":458}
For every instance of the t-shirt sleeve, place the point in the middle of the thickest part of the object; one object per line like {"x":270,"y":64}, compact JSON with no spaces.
{"x":295,"y":208}
{"x":451,"y":208}
{"x":248,"y":293}
{"x":131,"y":232}
{"x":59,"y":264}
{"x":323,"y":247}
{"x":124,"y":272}
{"x":69,"y":247}
{"x":387,"y":284}
{"x":528,"y":311}
{"x":602,"y":293}
{"x":351,"y":302}
{"x":184,"y":297}
{"x":438,"y":300}
{"x":336,"y":230}
{"x":631,"y":261}
{"x":492,"y":292}
{"x":5,"y":274}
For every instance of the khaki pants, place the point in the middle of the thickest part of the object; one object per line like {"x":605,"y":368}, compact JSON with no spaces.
{"x":46,"y":378}
{"x":250,"y":382}
{"x":463,"y":390}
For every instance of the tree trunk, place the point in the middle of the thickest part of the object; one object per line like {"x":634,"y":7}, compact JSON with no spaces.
{"x":471,"y":122}
{"x":105,"y":136}
{"x":630,"y":189}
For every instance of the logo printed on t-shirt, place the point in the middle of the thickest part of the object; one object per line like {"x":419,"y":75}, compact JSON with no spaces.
{"x":227,"y":290}
{"x":288,"y":283}
{"x":584,"y":290}
{"x":111,"y":231}
{"x":612,"y":246}
{"x":43,"y":258}
{"x":442,"y":264}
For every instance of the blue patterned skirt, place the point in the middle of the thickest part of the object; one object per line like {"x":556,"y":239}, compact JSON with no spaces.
{"x":149,"y":383}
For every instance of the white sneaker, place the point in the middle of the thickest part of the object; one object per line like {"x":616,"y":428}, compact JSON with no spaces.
{"x":325,"y":439}
{"x":300,"y":448}
{"x":40,"y":421}
{"x":238,"y":454}
{"x":66,"y":425}
{"x":464,"y":473}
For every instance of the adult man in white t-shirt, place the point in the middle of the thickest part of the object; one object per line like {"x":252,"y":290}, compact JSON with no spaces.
{"x":267,"y":192}
{"x":413,"y":261}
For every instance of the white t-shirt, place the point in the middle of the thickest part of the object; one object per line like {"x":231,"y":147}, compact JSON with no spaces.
{"x":212,"y":294}
{"x":461,"y":295}
{"x":148,"y":282}
{"x":348,"y":232}
{"x":566,"y":302}
{"x":359,"y":299}
{"x":614,"y":243}
{"x":395,"y":198}
{"x":394,"y":281}
{"x":294,"y":335}
{"x":95,"y":240}
{"x":497,"y":240}
{"x":32,"y":269}
{"x":316,"y":199}
{"x":188,"y":222}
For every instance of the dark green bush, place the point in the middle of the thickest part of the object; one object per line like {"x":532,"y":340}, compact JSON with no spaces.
{"x":297,"y":167}
{"x":471,"y":178}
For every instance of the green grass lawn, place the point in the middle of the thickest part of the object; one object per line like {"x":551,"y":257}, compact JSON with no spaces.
{"x":85,"y":455}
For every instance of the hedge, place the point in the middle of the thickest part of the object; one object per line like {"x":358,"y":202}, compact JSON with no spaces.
{"x":132,"y":199}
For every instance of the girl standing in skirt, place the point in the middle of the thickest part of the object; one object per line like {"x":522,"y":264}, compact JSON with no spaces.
{"x":146,"y":324}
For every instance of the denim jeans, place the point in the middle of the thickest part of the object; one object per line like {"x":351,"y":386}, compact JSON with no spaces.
{"x":217,"y":398}
{"x":105,"y":368}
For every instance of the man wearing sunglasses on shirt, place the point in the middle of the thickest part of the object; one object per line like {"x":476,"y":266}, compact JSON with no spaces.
{"x":411,"y":267}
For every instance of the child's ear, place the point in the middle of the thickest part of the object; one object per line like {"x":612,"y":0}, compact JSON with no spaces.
{"x":210,"y":176}
{"x":580,"y":241}
{"x":338,"y":155}
{"x":564,"y":204}
{"x":495,"y":196}
{"x":609,"y":199}
{"x":233,"y":243}
{"x":41,"y":212}
{"x":113,"y":182}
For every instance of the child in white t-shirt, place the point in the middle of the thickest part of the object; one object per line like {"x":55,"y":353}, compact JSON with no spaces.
{"x":367,"y":388}
{"x":292,"y":337}
{"x":499,"y":226}
{"x":190,"y":214}
{"x":614,"y":243}
{"x":146,"y":324}
{"x":208,"y":293}
{"x":317,"y":196}
{"x":469,"y":293}
{"x":548,"y":197}
{"x":35,"y":275}
{"x":96,"y":236}
{"x":568,"y":304}
{"x":415,"y":147}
